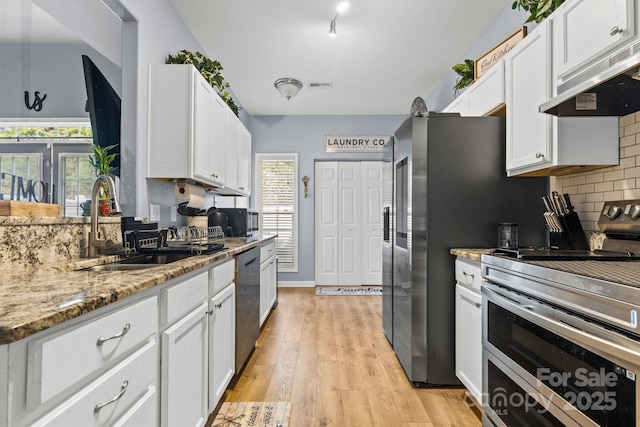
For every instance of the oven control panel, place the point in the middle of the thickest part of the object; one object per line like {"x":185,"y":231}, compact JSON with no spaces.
{"x":620,"y":216}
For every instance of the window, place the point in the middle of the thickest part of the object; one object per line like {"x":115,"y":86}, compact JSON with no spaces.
{"x":76,"y":182}
{"x":277,"y":202}
{"x":26,"y":166}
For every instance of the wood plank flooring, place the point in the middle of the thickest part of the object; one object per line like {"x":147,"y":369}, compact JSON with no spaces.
{"x":328,"y":356}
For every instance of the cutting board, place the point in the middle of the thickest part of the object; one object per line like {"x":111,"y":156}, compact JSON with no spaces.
{"x":21,"y":208}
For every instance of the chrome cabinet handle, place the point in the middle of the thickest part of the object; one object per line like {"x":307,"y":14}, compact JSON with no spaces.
{"x":539,"y":155}
{"x":478,"y":305}
{"x":218,"y":305}
{"x":467,"y":274}
{"x":102,"y":340}
{"x":615,"y":30}
{"x":123,"y":389}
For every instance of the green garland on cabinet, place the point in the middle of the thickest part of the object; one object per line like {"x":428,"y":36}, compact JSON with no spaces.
{"x":538,"y":9}
{"x":209,"y":69}
{"x":465,"y":74}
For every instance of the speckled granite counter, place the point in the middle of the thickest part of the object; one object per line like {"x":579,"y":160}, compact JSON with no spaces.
{"x":39,"y":297}
{"x":473,"y":254}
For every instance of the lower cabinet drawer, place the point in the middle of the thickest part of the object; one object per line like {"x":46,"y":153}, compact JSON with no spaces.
{"x":468,"y":273}
{"x":182,"y":297}
{"x":267,"y":250}
{"x":59,"y":361}
{"x":222,"y":275}
{"x":144,"y":412}
{"x":109,"y":396}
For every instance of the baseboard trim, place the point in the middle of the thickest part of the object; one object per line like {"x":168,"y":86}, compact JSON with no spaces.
{"x":296,"y":284}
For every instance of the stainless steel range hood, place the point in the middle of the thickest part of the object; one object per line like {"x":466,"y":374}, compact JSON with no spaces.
{"x":607,"y":87}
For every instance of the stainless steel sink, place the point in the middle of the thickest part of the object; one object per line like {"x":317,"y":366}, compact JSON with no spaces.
{"x":139,"y":262}
{"x":116,"y":266}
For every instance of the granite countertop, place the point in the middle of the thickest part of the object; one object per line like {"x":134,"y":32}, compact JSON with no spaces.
{"x":38,"y":298}
{"x":473,"y":254}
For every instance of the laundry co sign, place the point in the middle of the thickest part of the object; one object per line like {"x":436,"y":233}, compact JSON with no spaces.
{"x":356,"y":144}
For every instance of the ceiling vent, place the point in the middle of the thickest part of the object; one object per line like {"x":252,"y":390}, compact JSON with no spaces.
{"x":320,"y":85}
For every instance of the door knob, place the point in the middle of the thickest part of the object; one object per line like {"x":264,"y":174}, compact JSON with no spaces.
{"x":615,"y":30}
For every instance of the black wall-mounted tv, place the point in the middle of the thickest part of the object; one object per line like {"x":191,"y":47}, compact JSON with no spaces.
{"x":103,"y":105}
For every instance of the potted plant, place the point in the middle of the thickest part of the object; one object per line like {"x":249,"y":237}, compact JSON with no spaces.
{"x":465,"y":74}
{"x":209,"y":69}
{"x":538,"y":9}
{"x":101,"y":163}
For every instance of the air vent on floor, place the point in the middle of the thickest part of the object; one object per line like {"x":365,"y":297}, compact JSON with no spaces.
{"x":320,"y":85}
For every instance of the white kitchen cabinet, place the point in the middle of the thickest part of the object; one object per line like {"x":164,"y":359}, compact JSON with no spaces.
{"x":238,"y":143}
{"x":185,"y":351}
{"x":484,"y":97}
{"x":468,"y":326}
{"x":459,"y":105}
{"x":222,"y":327}
{"x":585,"y":30}
{"x":268,"y":279}
{"x":539,"y":144}
{"x":187,"y":126}
{"x":184,"y":371}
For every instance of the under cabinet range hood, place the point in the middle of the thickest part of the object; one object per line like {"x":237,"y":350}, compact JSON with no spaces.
{"x":608,"y":87}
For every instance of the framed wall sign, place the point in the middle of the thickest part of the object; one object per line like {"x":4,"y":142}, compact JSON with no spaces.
{"x":356,"y":144}
{"x":495,"y":54}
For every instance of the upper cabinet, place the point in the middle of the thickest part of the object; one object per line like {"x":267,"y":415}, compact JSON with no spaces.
{"x":584,"y":30}
{"x":193,"y":134}
{"x":484,"y":97}
{"x":539,"y":144}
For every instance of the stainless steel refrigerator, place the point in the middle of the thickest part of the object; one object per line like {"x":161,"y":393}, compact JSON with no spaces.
{"x":444,"y":187}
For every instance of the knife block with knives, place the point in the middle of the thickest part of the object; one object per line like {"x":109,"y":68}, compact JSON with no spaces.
{"x":563,"y":223}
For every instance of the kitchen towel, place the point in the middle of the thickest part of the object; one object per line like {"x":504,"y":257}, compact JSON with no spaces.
{"x":195,"y":194}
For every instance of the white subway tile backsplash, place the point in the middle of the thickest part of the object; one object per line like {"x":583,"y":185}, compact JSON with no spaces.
{"x":626,"y":141}
{"x":631,"y":129}
{"x":586,"y":188}
{"x":633,"y":172}
{"x":614,"y":175}
{"x":594,"y":177}
{"x":594,"y":197}
{"x":631,"y":194}
{"x":627,"y":120}
{"x":633,"y":150}
{"x":603,"y":186}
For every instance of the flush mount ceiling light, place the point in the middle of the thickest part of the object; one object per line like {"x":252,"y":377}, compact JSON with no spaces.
{"x":288,"y":87}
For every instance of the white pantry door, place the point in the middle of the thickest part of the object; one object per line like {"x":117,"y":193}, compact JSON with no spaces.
{"x":372,"y":223}
{"x":348,"y":229}
{"x":349,"y":223}
{"x":326,"y":223}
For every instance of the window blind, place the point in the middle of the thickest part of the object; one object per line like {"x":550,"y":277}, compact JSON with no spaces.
{"x":277,"y":206}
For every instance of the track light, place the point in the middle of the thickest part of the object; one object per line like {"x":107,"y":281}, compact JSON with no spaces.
{"x":332,"y":28}
{"x":343,"y":5}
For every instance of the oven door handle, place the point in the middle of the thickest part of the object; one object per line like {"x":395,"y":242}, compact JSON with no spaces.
{"x":629,"y":352}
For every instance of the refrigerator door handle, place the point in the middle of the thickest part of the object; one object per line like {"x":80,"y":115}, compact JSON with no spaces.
{"x":387,"y":234}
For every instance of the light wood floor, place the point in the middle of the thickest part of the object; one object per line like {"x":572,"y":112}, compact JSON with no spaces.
{"x":328,"y":356}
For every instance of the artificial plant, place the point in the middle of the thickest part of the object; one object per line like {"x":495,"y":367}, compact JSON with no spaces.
{"x":101,"y":163}
{"x":210,"y":69}
{"x":538,"y":9}
{"x":465,"y":74}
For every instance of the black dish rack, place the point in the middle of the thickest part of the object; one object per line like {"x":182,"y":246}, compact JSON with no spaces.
{"x":148,"y":238}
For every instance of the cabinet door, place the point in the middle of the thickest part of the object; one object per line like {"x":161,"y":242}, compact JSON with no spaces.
{"x":458,"y":105}
{"x":487,"y":94}
{"x":273,"y":282}
{"x":244,"y":160}
{"x":469,"y":339}
{"x":222,"y":342}
{"x":209,"y":133}
{"x":528,"y":84}
{"x":233,"y":150}
{"x":350,"y":226}
{"x":184,"y":371}
{"x":265,"y":279}
{"x":586,"y":29}
{"x":371,"y":219}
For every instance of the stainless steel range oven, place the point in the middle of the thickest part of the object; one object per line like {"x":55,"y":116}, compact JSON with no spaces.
{"x":561,"y":343}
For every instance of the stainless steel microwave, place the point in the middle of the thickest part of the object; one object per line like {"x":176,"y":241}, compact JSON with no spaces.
{"x":242,"y":222}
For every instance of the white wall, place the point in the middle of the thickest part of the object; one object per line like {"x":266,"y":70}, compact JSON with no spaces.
{"x":305,"y":135}
{"x":51,"y":69}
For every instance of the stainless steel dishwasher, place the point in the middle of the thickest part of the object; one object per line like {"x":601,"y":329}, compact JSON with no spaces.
{"x":247,"y":304}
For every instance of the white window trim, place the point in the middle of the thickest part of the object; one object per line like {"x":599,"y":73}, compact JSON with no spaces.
{"x":60,"y":189}
{"x":294,"y":156}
